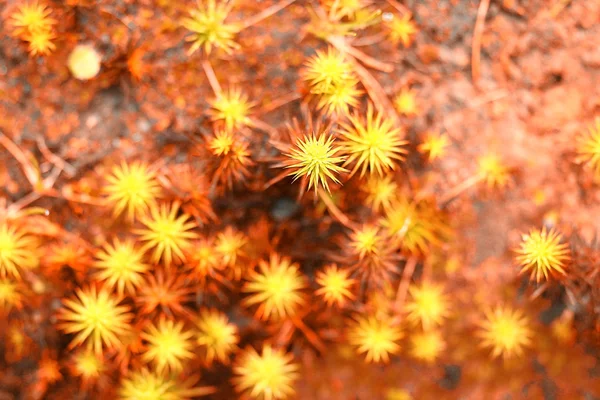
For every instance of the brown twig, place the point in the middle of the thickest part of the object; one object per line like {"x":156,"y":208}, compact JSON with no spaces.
{"x":399,"y":7}
{"x":476,"y":44}
{"x":279,"y":102}
{"x":343,"y":46}
{"x":276,"y":179}
{"x":285,"y":334}
{"x":409,"y":270}
{"x":453,"y":193}
{"x":31,"y":173}
{"x":334,"y":210}
{"x":558,"y":7}
{"x":50,"y":180}
{"x":257,"y":123}
{"x":14,"y":208}
{"x":488,"y":98}
{"x":369,"y":40}
{"x":310,"y":335}
{"x":53,"y":158}
{"x":538,"y":291}
{"x":266,"y":13}
{"x":212,"y":78}
{"x":375,"y":91}
{"x":76,"y":198}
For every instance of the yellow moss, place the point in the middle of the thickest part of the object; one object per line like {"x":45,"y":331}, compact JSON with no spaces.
{"x":276,"y":288}
{"x":208,"y":28}
{"x":269,"y":375}
{"x":506,"y":332}
{"x":428,"y":306}
{"x":335,"y":285}
{"x":216,"y":335}
{"x":315,"y":158}
{"x":96,"y":318}
{"x":377,"y":337}
{"x":542,"y":254}
{"x":372,"y":143}
{"x":169,"y":346}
